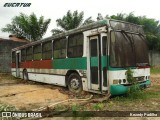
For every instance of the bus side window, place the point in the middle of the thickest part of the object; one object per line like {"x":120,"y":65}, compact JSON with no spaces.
{"x":59,"y":49}
{"x":37,"y":55}
{"x":75,"y":45}
{"x":104,"y":43}
{"x":29,"y":53}
{"x":23,"y":55}
{"x":47,"y":50}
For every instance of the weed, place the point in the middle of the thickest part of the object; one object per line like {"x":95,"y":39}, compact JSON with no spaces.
{"x":110,"y":105}
{"x":129,"y":75}
{"x":4,"y":107}
{"x":98,"y":106}
{"x":60,"y":108}
{"x":155,"y":70}
{"x":75,"y":107}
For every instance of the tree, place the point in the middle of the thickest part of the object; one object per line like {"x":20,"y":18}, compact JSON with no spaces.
{"x":29,"y":27}
{"x":71,"y":21}
{"x":119,"y":16}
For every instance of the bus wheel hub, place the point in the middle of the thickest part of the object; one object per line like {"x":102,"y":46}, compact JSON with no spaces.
{"x":74,"y":83}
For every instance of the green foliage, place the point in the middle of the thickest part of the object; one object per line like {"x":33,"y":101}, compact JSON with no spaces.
{"x":29,"y":27}
{"x":129,"y":75}
{"x":61,"y":108}
{"x":140,"y":95}
{"x":56,"y":31}
{"x":155,"y":70}
{"x":98,"y":106}
{"x":119,"y":16}
{"x":134,"y":88}
{"x":88,"y":21}
{"x":71,"y":21}
{"x":75,"y":107}
{"x":4,"y":107}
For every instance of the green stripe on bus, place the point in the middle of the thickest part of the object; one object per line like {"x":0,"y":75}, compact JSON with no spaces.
{"x":94,"y":61}
{"x":115,"y":69}
{"x":104,"y":61}
{"x":70,"y":63}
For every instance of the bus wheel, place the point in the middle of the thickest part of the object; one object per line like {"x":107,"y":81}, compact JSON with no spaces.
{"x":75,"y":83}
{"x":25,"y":75}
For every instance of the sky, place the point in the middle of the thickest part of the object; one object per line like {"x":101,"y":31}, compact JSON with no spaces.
{"x":55,"y":9}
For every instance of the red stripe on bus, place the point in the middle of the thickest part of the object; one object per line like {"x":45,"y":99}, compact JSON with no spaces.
{"x":141,"y":67}
{"x":41,"y":64}
{"x":13,"y":65}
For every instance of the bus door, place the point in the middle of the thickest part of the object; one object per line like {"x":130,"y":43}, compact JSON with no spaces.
{"x":98,"y":62}
{"x":17,"y":64}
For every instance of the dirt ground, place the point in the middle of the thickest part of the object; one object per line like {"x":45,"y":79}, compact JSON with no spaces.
{"x":155,"y":79}
{"x":29,"y":95}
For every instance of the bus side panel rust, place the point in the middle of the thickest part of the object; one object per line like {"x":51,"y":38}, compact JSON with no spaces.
{"x":42,"y":64}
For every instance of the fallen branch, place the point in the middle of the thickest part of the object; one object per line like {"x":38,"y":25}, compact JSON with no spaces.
{"x":84,"y":101}
{"x":69,"y":100}
{"x":97,"y":100}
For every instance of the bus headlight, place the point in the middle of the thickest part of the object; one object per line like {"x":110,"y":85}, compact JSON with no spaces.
{"x":115,"y":81}
{"x":124,"y":80}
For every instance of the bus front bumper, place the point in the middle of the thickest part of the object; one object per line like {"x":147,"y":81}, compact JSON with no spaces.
{"x":121,"y":89}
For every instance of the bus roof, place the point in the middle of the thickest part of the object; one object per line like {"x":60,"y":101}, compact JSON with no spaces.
{"x":100,"y":23}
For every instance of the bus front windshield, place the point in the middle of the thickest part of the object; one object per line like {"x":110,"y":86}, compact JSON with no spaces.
{"x":128,"y":49}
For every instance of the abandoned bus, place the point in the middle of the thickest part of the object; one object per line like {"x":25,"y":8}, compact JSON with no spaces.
{"x":94,"y":58}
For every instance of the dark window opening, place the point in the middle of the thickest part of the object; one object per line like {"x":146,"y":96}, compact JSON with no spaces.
{"x":104,"y":43}
{"x":141,"y":50}
{"x":29,"y":53}
{"x":23,"y":55}
{"x":75,"y":45}
{"x":37,"y":55}
{"x":127,"y":49}
{"x":59,"y":48}
{"x":94,"y":75}
{"x":47,"y":50}
{"x":93,"y":47}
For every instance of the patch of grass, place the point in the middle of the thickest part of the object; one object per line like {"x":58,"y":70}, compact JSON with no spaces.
{"x":98,"y":106}
{"x":13,"y":78}
{"x":75,"y":112}
{"x":140,"y":95}
{"x":110,"y":104}
{"x":75,"y":107}
{"x":4,"y":107}
{"x":155,"y":70}
{"x":60,"y":108}
{"x":152,"y":94}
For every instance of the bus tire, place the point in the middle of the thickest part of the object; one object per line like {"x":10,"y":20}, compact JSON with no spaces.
{"x":75,"y":83}
{"x":25,"y":75}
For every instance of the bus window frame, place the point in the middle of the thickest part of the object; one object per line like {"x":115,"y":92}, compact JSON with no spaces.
{"x":39,"y":52}
{"x":61,"y":48}
{"x":75,"y":46}
{"x":43,"y":52}
{"x":29,"y":54}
